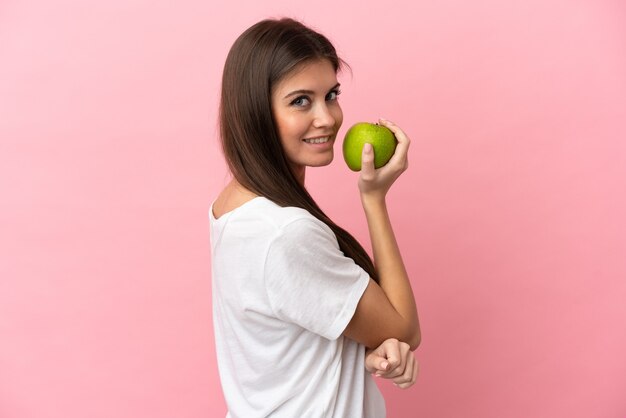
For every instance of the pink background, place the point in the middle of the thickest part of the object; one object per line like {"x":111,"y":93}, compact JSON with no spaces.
{"x":510,"y":218}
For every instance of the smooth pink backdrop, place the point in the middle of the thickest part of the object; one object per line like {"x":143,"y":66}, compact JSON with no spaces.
{"x":510,"y":217}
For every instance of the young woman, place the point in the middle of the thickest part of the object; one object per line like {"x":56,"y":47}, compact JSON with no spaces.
{"x":302,"y":316}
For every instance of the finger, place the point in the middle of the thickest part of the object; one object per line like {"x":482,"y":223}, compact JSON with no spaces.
{"x":393,"y":352}
{"x":394,"y":355}
{"x":387,"y":352}
{"x":408,"y":371}
{"x":367,"y":162}
{"x":376,"y":364}
{"x":416,"y":370}
{"x":370,"y":361}
{"x":401,"y":137}
{"x":402,"y":148}
{"x":382,"y":368}
{"x":414,"y":375}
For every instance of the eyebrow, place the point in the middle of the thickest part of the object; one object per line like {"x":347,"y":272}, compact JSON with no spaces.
{"x":309,"y":91}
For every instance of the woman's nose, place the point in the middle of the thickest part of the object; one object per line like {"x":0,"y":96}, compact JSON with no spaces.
{"x":323,"y":117}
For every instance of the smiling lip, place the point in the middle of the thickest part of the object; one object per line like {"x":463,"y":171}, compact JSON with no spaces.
{"x":320,"y":136}
{"x":315,"y":138}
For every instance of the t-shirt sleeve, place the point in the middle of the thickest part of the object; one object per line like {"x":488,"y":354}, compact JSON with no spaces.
{"x":309,"y":281}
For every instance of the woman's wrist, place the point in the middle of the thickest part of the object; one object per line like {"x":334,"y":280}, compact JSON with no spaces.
{"x":369,"y":199}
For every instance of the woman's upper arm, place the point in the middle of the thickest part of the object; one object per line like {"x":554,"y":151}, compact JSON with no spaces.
{"x":376,"y":320}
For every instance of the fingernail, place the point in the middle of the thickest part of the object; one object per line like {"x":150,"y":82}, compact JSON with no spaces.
{"x":367,"y":147}
{"x":384,"y":365}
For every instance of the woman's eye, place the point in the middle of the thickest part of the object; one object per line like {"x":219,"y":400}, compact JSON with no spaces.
{"x":300,"y":101}
{"x":336,"y":93}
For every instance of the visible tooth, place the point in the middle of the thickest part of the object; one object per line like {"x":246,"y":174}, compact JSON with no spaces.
{"x":317,"y":140}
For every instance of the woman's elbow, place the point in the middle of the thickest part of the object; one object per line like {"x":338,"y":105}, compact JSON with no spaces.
{"x":414,"y":339}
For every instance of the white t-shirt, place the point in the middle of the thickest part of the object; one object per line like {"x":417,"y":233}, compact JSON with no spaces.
{"x":283,"y":293}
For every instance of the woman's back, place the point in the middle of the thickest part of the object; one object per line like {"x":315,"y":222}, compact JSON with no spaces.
{"x":283,"y":293}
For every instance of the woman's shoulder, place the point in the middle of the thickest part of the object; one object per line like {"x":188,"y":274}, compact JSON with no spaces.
{"x":234,"y":198}
{"x":297,"y":222}
{"x":285,"y":219}
{"x":230,"y":199}
{"x":285,"y":215}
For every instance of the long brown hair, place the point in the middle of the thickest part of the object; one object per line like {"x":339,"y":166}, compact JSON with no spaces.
{"x":259,"y":59}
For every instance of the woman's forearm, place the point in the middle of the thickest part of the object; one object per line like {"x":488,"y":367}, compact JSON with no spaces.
{"x":393,"y":278}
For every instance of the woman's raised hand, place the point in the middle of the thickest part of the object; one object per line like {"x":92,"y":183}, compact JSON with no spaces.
{"x":376,"y":182}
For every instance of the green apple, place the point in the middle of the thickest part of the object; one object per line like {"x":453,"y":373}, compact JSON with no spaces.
{"x":382,"y":139}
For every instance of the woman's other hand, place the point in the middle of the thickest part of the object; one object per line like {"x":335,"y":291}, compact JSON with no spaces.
{"x":376,"y":182}
{"x":393,"y":360}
